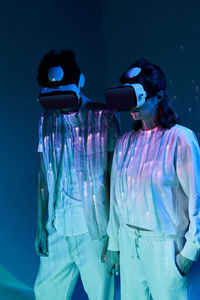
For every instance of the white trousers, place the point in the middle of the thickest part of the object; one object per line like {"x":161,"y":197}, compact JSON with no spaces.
{"x":67,"y":258}
{"x":147,"y":266}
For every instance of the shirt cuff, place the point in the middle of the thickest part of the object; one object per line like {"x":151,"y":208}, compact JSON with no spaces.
{"x":191,"y":250}
{"x":113,"y":244}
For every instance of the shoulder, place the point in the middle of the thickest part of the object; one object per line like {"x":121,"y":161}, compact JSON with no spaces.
{"x":183,"y":134}
{"x":124,"y":140}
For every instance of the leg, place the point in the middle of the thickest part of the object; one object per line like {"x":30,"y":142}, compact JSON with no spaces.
{"x":167,"y":283}
{"x":57,"y":273}
{"x":133,"y":281}
{"x":98,"y":284}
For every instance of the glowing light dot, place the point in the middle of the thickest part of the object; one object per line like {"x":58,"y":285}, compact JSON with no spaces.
{"x":181,"y":48}
{"x":77,"y":129}
{"x":190,"y":109}
{"x":197,"y":88}
{"x":174,"y":97}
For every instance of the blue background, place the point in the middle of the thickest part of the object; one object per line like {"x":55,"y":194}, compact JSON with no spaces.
{"x":107,"y":36}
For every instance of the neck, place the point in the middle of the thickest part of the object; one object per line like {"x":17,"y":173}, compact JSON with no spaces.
{"x":149,"y":124}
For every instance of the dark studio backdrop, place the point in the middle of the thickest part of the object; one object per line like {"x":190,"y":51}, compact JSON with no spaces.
{"x":107,"y":36}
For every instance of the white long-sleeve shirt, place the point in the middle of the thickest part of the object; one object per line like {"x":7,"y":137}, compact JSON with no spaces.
{"x":155,"y":184}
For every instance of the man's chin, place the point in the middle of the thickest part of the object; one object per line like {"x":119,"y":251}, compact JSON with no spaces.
{"x":135,"y":115}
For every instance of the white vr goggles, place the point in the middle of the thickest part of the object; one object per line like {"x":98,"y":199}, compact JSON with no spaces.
{"x":126,"y":97}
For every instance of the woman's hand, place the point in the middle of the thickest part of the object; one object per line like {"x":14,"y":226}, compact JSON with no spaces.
{"x":111,"y":259}
{"x":41,"y":241}
{"x":183,"y":264}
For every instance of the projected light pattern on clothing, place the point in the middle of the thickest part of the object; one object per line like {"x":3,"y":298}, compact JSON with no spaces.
{"x":84,"y":138}
{"x":157,"y":176}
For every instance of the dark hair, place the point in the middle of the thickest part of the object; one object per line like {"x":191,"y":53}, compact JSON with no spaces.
{"x":153,"y":79}
{"x":64,"y":59}
{"x":167,"y":118}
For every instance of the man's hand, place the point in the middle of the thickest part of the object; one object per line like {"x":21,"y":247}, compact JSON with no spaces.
{"x":111,"y":259}
{"x":41,"y":241}
{"x":183,"y":264}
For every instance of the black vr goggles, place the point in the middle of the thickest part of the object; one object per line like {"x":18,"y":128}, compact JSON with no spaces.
{"x":125,"y":97}
{"x":63,"y":96}
{"x":58,"y":98}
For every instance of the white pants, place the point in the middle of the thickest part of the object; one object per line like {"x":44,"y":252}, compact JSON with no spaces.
{"x":148,"y":267}
{"x":67,"y":258}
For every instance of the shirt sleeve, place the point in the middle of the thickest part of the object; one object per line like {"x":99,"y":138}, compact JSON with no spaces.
{"x":114,"y":130}
{"x":40,"y":140}
{"x":188,"y":171}
{"x":113,"y":224}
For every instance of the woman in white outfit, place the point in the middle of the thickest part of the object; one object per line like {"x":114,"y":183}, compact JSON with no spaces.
{"x":155,"y":195}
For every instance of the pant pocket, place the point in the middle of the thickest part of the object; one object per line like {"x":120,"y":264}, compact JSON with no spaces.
{"x":173,"y":261}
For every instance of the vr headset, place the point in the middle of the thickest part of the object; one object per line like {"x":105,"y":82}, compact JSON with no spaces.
{"x":125,"y":97}
{"x":63,"y":96}
{"x":134,"y":91}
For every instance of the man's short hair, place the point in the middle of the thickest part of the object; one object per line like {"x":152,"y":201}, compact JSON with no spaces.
{"x":63,"y":58}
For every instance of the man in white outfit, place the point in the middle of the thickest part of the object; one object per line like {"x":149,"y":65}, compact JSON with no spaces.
{"x":76,"y":141}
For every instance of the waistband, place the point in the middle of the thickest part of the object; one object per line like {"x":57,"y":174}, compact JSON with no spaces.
{"x":145,"y":234}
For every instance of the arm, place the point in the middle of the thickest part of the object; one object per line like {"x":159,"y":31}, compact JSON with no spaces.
{"x":110,"y":158}
{"x":113,"y":224}
{"x":188,"y":166}
{"x":41,"y":245}
{"x":109,"y":256}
